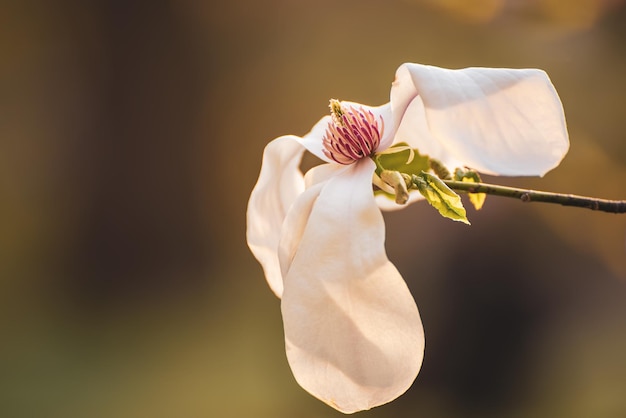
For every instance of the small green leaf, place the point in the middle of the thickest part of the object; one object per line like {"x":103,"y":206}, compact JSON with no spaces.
{"x":402,"y":158}
{"x":471,"y":176}
{"x":476,"y":199}
{"x":440,"y":196}
{"x":440,"y":169}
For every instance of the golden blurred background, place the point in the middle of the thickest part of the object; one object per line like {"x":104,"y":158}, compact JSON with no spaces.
{"x":131,"y":136}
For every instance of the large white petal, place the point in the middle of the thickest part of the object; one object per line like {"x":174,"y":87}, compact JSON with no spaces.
{"x":353,"y":333}
{"x":321,"y":173}
{"x":415,"y":131}
{"x":499,"y":121}
{"x":295,"y":223}
{"x":280,"y":183}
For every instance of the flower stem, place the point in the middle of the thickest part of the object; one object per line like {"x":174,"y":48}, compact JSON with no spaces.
{"x":613,"y":206}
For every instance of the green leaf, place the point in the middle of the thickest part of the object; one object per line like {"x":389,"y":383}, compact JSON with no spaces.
{"x":471,"y":176}
{"x":440,"y":169}
{"x":440,"y":196}
{"x":402,"y":158}
{"x":476,"y":199}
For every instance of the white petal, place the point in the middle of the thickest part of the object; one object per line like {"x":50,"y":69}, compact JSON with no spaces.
{"x":414,"y":130}
{"x":294,"y":225}
{"x":321,"y":173}
{"x":499,"y":121}
{"x":280,"y":182}
{"x":353,"y":334}
{"x":312,"y":141}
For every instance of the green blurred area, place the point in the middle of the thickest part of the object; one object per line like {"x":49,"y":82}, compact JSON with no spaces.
{"x":131,"y":135}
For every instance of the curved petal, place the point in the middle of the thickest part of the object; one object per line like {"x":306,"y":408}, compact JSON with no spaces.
{"x":499,"y":121}
{"x":294,"y":225}
{"x":280,"y":183}
{"x":414,"y":131}
{"x":320,"y":173}
{"x":401,"y":95}
{"x":353,"y":333}
{"x":313,"y":141}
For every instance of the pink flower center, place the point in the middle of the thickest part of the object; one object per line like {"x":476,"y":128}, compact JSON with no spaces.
{"x":353,"y":133}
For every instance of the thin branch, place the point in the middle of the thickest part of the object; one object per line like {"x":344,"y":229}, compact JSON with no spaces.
{"x":604,"y":205}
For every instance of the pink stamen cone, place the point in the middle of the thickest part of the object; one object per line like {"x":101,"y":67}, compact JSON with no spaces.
{"x":352,"y":134}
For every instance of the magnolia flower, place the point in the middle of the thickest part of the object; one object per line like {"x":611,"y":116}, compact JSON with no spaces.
{"x":353,"y":334}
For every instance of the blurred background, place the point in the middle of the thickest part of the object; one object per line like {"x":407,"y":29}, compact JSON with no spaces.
{"x":131,"y":136}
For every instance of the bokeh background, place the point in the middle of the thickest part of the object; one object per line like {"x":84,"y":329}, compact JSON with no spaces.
{"x":131,"y":135}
